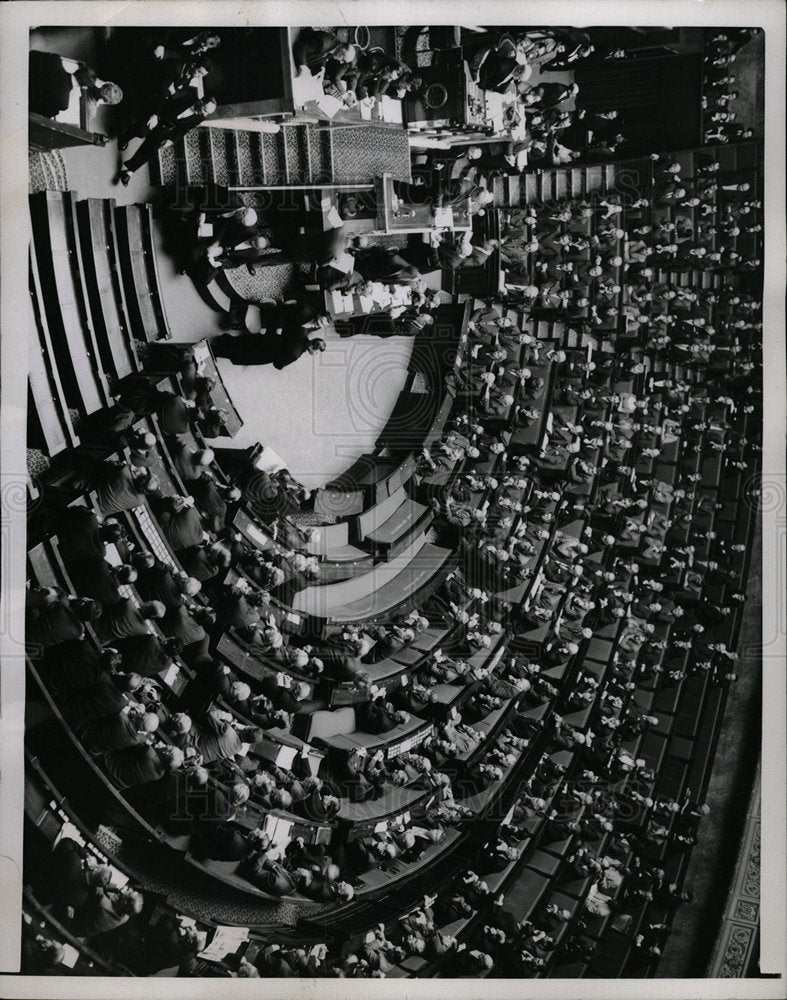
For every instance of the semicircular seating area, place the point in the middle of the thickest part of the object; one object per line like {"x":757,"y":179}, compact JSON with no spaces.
{"x":455,"y":712}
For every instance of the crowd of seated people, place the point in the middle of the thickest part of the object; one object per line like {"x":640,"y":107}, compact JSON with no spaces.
{"x":622,"y":566}
{"x":577,"y":480}
{"x":350,"y":73}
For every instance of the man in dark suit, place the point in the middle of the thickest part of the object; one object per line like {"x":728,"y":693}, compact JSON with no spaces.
{"x":314,"y":47}
{"x":374,"y":73}
{"x":277,"y":349}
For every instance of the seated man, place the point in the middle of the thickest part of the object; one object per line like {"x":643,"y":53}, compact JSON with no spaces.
{"x":120,"y":487}
{"x":217,"y":740}
{"x":70,"y":877}
{"x":180,"y":521}
{"x":156,"y":581}
{"x":107,"y":911}
{"x":379,"y":716}
{"x":72,"y":666}
{"x":118,"y":732}
{"x":126,"y":618}
{"x":146,"y":654}
{"x":315,"y":46}
{"x":374,"y":74}
{"x":95,"y":578}
{"x":82,"y":536}
{"x":141,"y":765}
{"x":64,"y":620}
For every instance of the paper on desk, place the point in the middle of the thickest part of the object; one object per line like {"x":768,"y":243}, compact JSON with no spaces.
{"x":285,"y":757}
{"x":70,"y":832}
{"x":170,"y":676}
{"x":278,"y":829}
{"x":226,"y":941}
{"x":366,"y":111}
{"x":344,"y":262}
{"x":70,"y":956}
{"x":205,"y":230}
{"x":391,"y":110}
{"x":367,"y":303}
{"x":268,"y":460}
{"x":334,"y":220}
{"x":380,"y":294}
{"x":328,"y":105}
{"x":337,"y":302}
{"x":118,"y":878}
{"x":444,"y":217}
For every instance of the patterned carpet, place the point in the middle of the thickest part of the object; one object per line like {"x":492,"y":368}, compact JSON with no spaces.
{"x":363,"y":153}
{"x":197,"y":895}
{"x":267,"y":283}
{"x":47,"y":172}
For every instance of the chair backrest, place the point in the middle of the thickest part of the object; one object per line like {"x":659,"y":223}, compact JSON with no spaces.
{"x":323,"y":724}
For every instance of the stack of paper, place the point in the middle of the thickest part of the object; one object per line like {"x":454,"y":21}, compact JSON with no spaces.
{"x":380,"y":294}
{"x":391,"y":110}
{"x":285,"y":757}
{"x":329,"y":106}
{"x":267,"y":460}
{"x":70,"y":832}
{"x":334,"y":220}
{"x":345,"y":262}
{"x":70,"y":956}
{"x":444,"y":217}
{"x":226,"y":941}
{"x":118,"y":878}
{"x":278,"y":829}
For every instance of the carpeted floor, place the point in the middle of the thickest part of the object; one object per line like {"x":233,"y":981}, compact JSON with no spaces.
{"x":322,"y":412}
{"x":712,"y":864}
{"x":749,"y":70}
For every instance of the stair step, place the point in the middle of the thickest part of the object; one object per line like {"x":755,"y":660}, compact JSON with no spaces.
{"x":500,"y":192}
{"x":293,"y":140}
{"x":562,"y":184}
{"x":514,"y":184}
{"x":271,"y":151}
{"x":217,"y":146}
{"x":234,"y":157}
{"x":318,"y":154}
{"x":195,"y":155}
{"x":594,"y":178}
{"x":165,"y":166}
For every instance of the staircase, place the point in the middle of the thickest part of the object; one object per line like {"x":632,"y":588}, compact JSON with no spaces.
{"x":296,"y":154}
{"x":562,"y":183}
